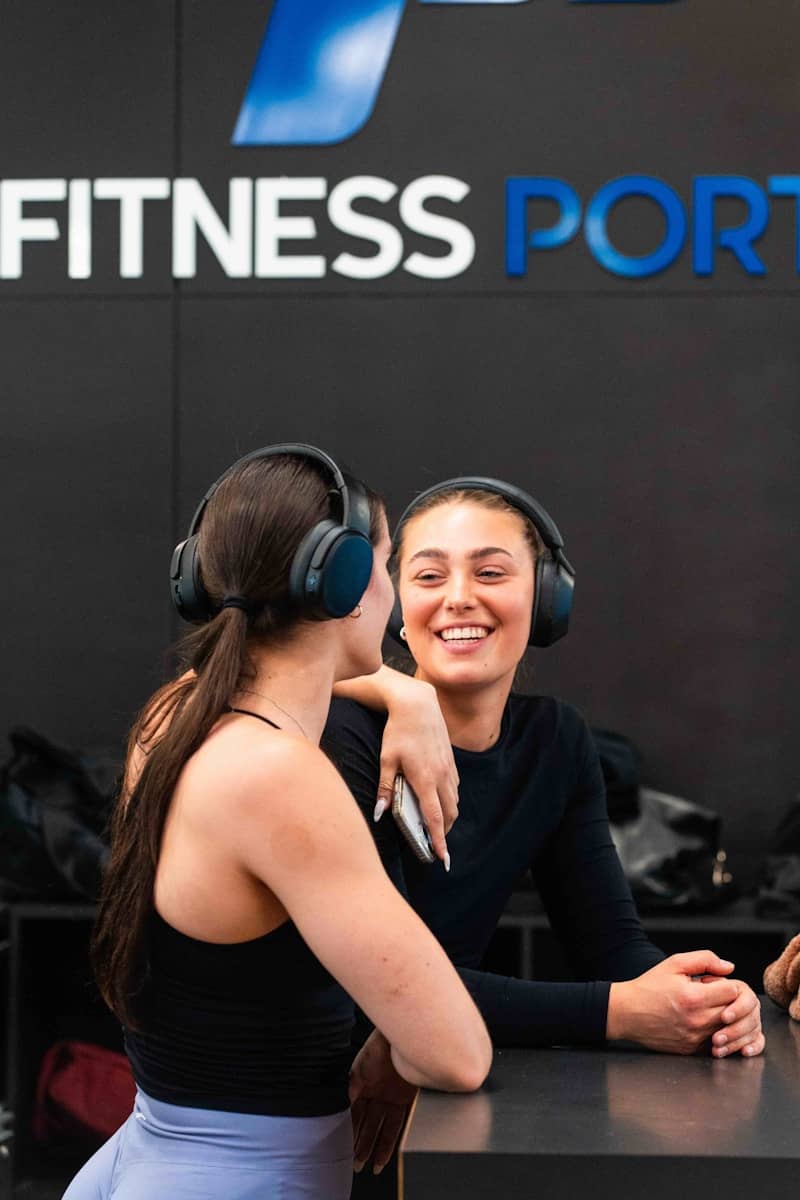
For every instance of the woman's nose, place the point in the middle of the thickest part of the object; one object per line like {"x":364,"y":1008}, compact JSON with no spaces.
{"x":459,"y":593}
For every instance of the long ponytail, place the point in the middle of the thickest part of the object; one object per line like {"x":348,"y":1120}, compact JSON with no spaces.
{"x":172,"y":726}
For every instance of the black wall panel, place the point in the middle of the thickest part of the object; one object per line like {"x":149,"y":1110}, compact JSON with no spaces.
{"x":88,"y":90}
{"x":87,"y":440}
{"x":657,"y":418}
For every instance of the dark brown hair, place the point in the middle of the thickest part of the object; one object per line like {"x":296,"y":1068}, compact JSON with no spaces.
{"x":250,"y":531}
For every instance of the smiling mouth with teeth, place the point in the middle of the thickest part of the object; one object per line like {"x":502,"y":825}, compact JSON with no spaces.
{"x":464,"y":633}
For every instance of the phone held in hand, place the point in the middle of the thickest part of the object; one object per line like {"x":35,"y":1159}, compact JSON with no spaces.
{"x":409,"y":820}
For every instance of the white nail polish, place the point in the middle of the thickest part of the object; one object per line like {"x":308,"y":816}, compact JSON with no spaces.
{"x":380,"y":809}
{"x":446,"y":860}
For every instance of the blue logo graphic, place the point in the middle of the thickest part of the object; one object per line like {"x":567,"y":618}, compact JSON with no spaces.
{"x":321,"y":65}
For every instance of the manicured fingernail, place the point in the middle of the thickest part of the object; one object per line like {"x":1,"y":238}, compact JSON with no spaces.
{"x":358,"y":1166}
{"x":726,"y":963}
{"x":380,"y":809}
{"x":376,"y":1170}
{"x":446,"y":860}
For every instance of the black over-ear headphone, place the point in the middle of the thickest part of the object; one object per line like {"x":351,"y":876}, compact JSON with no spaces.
{"x":555,"y":578}
{"x":331,"y":566}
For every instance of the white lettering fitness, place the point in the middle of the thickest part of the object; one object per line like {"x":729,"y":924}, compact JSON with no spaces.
{"x":266,"y":235}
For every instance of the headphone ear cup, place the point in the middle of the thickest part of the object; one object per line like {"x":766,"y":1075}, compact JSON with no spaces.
{"x":552,"y":602}
{"x":562,"y":602}
{"x":188,"y":594}
{"x":305,"y":583}
{"x":330,"y":570}
{"x":396,"y":620}
{"x":346,"y":572}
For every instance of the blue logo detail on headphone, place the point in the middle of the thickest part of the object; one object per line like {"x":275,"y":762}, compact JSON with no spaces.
{"x":321,"y":65}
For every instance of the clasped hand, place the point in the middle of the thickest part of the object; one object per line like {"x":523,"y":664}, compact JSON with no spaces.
{"x":683,"y":1003}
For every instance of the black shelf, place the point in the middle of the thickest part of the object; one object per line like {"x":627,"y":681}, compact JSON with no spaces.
{"x":49,"y":995}
{"x":524,"y":944}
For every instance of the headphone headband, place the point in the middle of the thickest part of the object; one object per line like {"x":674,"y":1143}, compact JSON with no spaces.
{"x":357,"y":519}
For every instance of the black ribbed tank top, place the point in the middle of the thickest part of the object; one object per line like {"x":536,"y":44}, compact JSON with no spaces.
{"x":255,"y":1027}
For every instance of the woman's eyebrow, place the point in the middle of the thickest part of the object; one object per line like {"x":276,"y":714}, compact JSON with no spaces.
{"x":429,"y":554}
{"x":483,"y":552}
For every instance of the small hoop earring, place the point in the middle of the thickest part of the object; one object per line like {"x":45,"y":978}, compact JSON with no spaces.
{"x":403,"y":633}
{"x":356,"y":613}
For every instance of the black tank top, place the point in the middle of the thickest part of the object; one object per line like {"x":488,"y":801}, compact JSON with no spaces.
{"x":258,"y":1026}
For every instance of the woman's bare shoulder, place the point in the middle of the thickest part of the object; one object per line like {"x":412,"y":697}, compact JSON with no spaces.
{"x":258,"y":763}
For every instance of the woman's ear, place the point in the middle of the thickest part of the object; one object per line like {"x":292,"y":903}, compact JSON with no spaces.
{"x":395,"y":626}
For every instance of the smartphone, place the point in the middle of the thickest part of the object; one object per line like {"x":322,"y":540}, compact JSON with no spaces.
{"x":409,"y":820}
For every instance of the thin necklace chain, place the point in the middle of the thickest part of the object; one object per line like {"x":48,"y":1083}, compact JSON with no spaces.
{"x":280,"y":708}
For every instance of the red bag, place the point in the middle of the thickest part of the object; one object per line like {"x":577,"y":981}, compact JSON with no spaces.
{"x":84,"y":1093}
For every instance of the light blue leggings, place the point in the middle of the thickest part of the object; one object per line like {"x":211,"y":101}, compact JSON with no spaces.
{"x":165,"y":1152}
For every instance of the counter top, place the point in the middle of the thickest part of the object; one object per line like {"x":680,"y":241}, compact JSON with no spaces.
{"x":623,"y":1121}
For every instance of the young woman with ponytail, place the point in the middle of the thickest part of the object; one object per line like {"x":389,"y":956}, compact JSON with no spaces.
{"x":244,"y":902}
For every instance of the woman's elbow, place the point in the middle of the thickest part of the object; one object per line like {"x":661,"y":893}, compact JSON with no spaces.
{"x":472,"y":1068}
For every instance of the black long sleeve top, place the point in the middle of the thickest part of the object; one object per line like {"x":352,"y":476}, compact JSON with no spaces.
{"x":534,"y":801}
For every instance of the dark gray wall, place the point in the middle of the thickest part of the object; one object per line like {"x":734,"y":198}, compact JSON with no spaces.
{"x":657,"y":420}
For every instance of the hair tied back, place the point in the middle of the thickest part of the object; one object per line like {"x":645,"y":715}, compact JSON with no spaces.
{"x":236,"y":602}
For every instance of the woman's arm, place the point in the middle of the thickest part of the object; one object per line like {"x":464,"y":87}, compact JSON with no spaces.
{"x":376,"y":691}
{"x":304,"y":838}
{"x":662,"y":1004}
{"x":578,"y":873}
{"x":415,"y":743}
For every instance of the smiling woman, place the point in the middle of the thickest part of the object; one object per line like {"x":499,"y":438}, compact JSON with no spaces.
{"x":466,"y":572}
{"x":481,"y":575}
